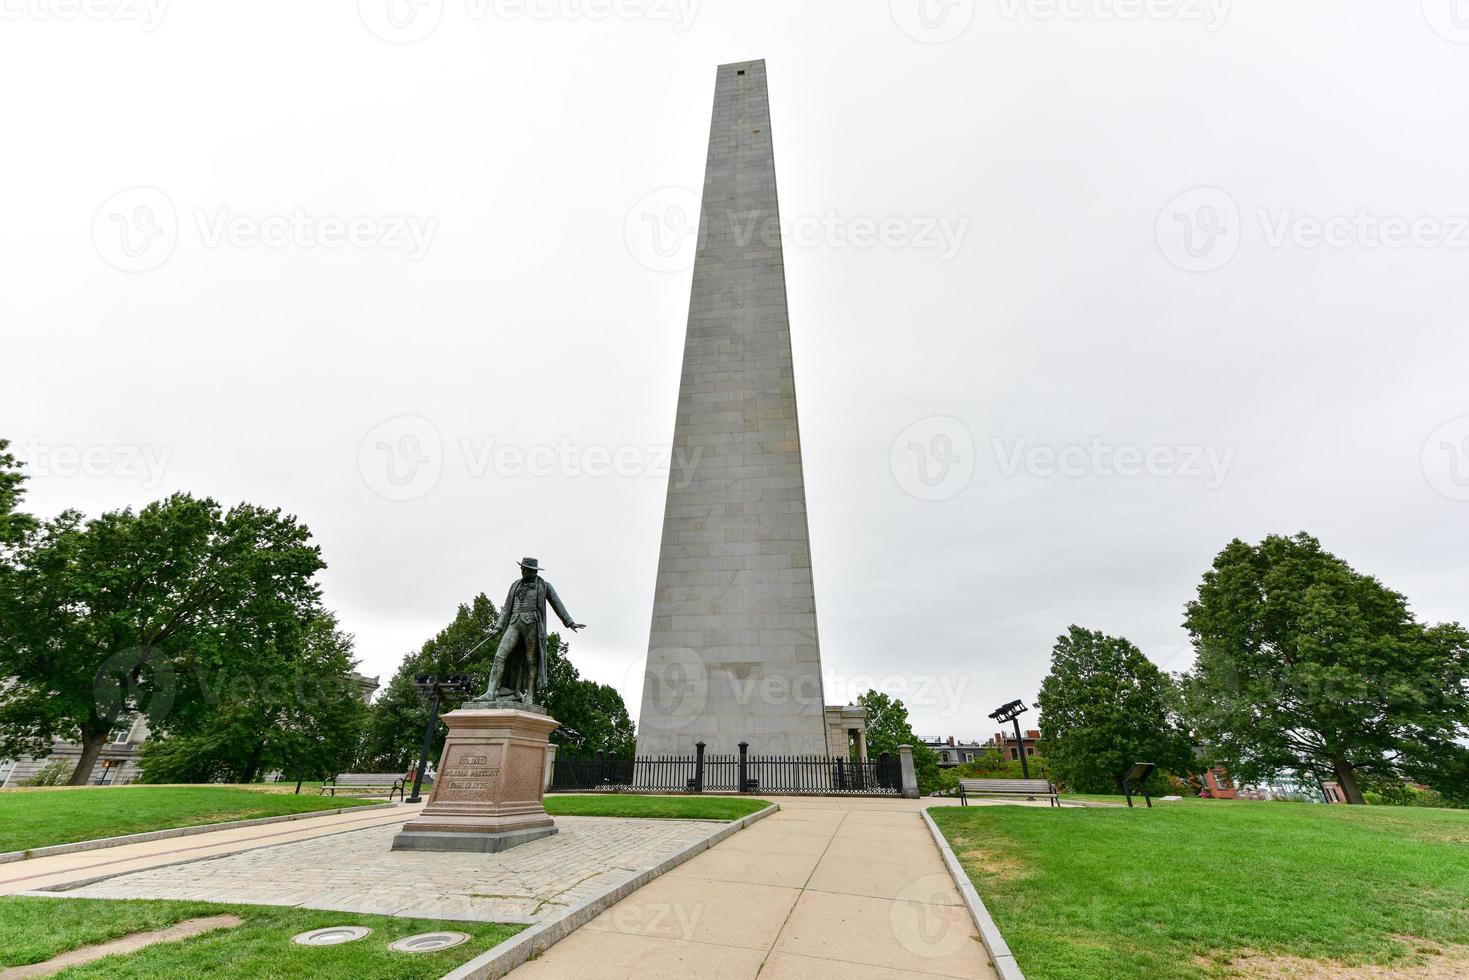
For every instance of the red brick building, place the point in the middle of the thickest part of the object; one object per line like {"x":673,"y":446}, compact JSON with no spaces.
{"x":1008,"y":747}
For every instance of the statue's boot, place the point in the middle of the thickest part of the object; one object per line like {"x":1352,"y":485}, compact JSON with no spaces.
{"x":497,"y":671}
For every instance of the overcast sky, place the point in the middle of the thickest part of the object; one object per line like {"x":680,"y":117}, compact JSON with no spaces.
{"x":1079,"y":291}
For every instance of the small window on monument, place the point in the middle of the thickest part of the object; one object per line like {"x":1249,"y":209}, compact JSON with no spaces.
{"x":740,"y":72}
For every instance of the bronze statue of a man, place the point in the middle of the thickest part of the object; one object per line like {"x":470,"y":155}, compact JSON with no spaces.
{"x":522,"y":629}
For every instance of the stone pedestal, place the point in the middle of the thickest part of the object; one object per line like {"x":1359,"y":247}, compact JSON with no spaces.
{"x":490,"y":785}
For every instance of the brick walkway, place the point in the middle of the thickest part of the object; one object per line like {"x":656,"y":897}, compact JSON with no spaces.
{"x":60,"y":869}
{"x":358,"y":872}
{"x":826,"y":888}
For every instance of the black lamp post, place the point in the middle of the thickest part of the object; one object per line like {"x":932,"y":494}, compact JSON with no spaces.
{"x":455,"y":685}
{"x":1012,"y":712}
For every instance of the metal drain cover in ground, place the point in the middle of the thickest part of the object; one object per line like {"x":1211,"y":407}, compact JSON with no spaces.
{"x":332,"y":936}
{"x":430,"y":942}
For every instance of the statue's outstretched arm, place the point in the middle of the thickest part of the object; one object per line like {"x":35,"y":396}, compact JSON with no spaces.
{"x":561,"y":613}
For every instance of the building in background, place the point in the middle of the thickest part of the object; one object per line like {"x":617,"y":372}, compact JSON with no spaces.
{"x":1010,"y":749}
{"x":1216,"y":784}
{"x":955,"y":753}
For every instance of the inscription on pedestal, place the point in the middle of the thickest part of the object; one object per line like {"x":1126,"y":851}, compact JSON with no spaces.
{"x":488,"y":795}
{"x":468,"y":773}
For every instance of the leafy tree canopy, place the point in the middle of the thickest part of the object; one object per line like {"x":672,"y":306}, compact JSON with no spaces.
{"x":13,"y":524}
{"x":301,"y":715}
{"x":1304,"y":664}
{"x":888,"y":728}
{"x":1104,"y":707}
{"x":142,"y":612}
{"x":593,"y":716}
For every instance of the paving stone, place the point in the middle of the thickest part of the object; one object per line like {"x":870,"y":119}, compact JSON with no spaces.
{"x":359,"y":872}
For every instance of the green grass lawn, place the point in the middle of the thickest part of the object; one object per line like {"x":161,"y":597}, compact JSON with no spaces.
{"x":1178,"y":890}
{"x":42,"y":817}
{"x":675,"y":807}
{"x":33,"y":930}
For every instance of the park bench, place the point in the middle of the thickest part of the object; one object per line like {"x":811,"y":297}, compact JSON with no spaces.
{"x":392,"y":782}
{"x":1008,"y":788}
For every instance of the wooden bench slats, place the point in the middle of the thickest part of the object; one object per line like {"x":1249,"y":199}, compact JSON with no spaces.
{"x":367,"y":779}
{"x":1008,"y":787}
{"x":390,"y":781}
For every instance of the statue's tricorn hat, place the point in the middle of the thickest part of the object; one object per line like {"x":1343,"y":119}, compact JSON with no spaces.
{"x":530,"y":563}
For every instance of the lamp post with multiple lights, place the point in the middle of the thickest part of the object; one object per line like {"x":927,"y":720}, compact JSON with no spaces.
{"x":1012,"y":712}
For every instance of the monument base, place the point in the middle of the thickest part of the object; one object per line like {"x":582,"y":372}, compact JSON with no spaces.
{"x":437,"y":840}
{"x":491,"y":782}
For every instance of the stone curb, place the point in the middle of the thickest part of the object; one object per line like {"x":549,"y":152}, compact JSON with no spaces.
{"x":989,"y":933}
{"x":152,"y":835}
{"x":495,"y":963}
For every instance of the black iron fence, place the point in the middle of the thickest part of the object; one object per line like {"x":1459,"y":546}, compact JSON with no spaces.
{"x":736,"y":773}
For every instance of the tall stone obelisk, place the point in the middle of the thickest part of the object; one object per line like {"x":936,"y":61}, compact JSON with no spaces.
{"x":733,"y":654}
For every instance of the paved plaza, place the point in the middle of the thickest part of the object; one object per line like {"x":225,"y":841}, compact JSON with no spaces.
{"x":850,"y":887}
{"x":81,"y":866}
{"x":358,"y":872}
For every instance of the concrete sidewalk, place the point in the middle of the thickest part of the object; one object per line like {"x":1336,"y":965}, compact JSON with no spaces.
{"x":82,"y":866}
{"x":827,"y":887}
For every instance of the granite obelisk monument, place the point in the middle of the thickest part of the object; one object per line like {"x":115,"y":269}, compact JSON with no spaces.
{"x":733,"y":653}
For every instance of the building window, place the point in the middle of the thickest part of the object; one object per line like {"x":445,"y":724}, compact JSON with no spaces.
{"x":1014,"y":754}
{"x":123,"y":730}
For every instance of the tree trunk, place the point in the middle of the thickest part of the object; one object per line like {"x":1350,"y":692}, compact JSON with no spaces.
{"x":253,"y":765}
{"x":91,"y":749}
{"x":1346,"y":776}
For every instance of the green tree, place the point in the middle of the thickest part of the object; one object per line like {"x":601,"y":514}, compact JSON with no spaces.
{"x":593,"y":716}
{"x":13,"y":524}
{"x":14,"y":528}
{"x":400,"y":713}
{"x":300,"y":715}
{"x":1304,"y":664}
{"x":126,"y":612}
{"x":1103,"y":707}
{"x":888,"y":728}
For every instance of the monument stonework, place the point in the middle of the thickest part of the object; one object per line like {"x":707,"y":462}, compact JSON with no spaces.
{"x":733,"y":653}
{"x":492,"y":774}
{"x":488,"y":794}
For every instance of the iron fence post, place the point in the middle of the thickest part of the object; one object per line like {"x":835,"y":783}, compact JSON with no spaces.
{"x":744,"y":785}
{"x":698,"y":767}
